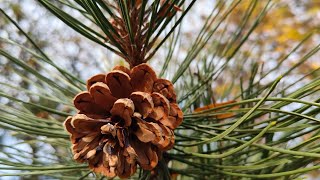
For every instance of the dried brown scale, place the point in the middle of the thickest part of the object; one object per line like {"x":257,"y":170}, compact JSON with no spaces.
{"x":126,"y":118}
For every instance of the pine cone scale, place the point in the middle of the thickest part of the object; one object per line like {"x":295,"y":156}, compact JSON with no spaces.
{"x":95,"y":79}
{"x":143,"y":78}
{"x":119,"y":84}
{"x":102,"y":96}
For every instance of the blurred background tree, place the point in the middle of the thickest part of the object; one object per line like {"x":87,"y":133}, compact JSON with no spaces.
{"x":223,"y":57}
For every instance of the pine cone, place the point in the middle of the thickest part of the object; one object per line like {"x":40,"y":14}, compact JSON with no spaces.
{"x":125,"y":118}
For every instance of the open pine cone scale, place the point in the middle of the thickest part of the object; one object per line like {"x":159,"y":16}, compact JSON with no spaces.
{"x":126,"y":117}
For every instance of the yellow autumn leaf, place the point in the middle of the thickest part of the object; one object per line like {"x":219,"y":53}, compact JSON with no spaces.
{"x":215,"y":105}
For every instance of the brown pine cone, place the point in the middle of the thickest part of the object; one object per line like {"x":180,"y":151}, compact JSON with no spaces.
{"x":125,"y":118}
